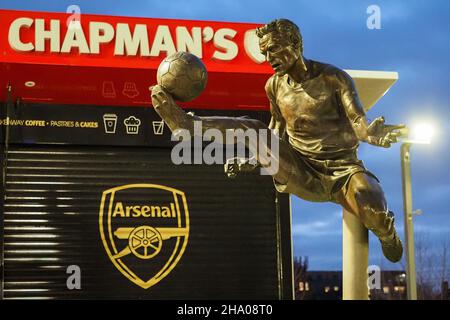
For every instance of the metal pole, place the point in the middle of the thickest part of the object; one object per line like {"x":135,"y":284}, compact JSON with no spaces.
{"x":6,"y":135}
{"x":355,"y":258}
{"x":409,"y":229}
{"x":279,"y":249}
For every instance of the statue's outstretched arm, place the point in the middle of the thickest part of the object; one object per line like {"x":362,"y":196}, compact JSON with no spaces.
{"x":277,"y":122}
{"x":377,"y":132}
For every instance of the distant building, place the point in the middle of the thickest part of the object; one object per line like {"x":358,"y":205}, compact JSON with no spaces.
{"x":327,"y":285}
{"x":320,"y":285}
{"x":393,"y":286}
{"x":445,"y":293}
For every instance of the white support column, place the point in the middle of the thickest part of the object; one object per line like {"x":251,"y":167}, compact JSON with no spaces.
{"x":355,"y":258}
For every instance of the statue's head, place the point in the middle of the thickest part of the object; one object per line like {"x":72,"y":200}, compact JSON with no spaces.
{"x":281,"y":42}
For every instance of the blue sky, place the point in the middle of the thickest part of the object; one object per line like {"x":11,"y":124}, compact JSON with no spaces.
{"x":413,"y":40}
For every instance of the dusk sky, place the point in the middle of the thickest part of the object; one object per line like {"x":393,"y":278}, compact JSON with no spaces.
{"x":413,"y":40}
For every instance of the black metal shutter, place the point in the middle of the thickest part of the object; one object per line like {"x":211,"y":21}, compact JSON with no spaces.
{"x":51,"y":208}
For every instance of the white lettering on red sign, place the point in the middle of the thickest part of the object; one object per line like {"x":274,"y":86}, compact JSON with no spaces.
{"x":14,"y":34}
{"x":128,"y":41}
{"x":222,"y":40}
{"x":99,"y":32}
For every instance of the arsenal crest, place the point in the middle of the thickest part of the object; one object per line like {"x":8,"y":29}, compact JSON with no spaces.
{"x":145,"y":230}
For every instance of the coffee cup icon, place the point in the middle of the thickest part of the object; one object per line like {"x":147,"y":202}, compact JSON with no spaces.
{"x":110,"y":122}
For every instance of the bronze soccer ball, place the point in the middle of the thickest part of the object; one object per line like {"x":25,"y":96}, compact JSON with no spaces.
{"x":183,"y":75}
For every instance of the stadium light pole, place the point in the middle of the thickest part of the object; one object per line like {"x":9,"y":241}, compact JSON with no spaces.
{"x":420,"y":134}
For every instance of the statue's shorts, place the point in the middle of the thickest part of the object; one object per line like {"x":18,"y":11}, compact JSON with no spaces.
{"x":320,"y":180}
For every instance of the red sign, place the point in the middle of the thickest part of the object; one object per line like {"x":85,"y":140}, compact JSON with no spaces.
{"x":92,"y":59}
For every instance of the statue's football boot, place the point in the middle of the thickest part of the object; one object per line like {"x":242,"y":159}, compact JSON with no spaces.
{"x":391,"y":244}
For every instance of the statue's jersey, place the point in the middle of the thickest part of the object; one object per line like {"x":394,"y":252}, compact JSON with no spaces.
{"x":318,"y":120}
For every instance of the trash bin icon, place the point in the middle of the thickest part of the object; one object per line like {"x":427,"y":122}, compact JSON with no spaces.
{"x":110,"y":122}
{"x":108,"y":90}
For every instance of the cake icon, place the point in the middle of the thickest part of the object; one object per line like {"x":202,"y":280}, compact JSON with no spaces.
{"x":132,"y":125}
{"x":130,"y":90}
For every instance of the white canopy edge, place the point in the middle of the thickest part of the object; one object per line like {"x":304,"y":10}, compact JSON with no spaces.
{"x":372,"y":85}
